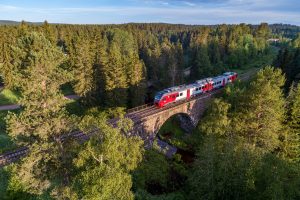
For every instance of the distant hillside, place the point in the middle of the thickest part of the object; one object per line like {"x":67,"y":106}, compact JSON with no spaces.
{"x":11,"y":22}
{"x":8,"y":22}
{"x":285,"y":30}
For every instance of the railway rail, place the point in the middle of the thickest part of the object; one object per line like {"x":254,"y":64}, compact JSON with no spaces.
{"x":135,"y":114}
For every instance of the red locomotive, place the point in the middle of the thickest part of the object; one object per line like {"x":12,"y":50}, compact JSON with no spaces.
{"x":182,"y":92}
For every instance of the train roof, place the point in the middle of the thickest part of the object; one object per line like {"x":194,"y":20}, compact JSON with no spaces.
{"x":195,"y":84}
{"x":229,"y":73}
{"x":218,"y":77}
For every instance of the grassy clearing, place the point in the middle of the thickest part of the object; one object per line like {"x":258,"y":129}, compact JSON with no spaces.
{"x":8,"y":97}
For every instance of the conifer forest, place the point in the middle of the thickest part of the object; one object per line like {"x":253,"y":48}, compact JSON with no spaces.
{"x":245,"y":146}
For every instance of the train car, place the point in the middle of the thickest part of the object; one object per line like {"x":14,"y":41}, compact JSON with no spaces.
{"x":185,"y":92}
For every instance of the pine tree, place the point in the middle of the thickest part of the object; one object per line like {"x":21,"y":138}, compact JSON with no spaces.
{"x":42,"y":119}
{"x":82,"y":60}
{"x":291,"y":137}
{"x":262,"y":110}
{"x":201,"y":66}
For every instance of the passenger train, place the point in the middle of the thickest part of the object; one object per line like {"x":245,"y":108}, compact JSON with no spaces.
{"x":185,"y":92}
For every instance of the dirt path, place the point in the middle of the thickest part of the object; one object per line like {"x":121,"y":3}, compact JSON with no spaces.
{"x":10,"y":107}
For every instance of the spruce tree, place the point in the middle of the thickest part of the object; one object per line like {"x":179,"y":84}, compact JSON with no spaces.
{"x":262,"y":110}
{"x":201,"y":66}
{"x":291,"y":137}
{"x":82,"y":57}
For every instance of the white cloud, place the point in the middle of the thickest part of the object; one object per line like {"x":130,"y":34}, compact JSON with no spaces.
{"x":188,"y":3}
{"x":8,"y":8}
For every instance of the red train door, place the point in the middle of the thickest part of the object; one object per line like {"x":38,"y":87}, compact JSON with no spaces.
{"x":188,"y":95}
{"x":223,"y":82}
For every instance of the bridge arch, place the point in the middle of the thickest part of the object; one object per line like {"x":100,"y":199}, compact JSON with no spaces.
{"x":185,"y":121}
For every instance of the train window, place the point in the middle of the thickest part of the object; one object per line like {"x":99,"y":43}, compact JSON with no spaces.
{"x":180,"y":94}
{"x":202,"y":87}
{"x":196,"y":89}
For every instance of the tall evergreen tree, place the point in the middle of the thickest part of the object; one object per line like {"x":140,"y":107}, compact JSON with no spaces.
{"x":82,"y":57}
{"x":42,"y":119}
{"x":291,"y":138}
{"x":201,"y":66}
{"x":262,"y":116}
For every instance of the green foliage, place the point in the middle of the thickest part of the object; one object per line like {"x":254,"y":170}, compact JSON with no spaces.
{"x":217,"y":121}
{"x":296,"y":41}
{"x":276,"y":179}
{"x":222,"y":170}
{"x":291,"y":138}
{"x":288,"y":59}
{"x":154,"y":170}
{"x":82,"y":61}
{"x":201,"y":64}
{"x":157,"y":177}
{"x":10,"y":186}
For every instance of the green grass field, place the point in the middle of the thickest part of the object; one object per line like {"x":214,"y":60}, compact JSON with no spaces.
{"x":8,"y":97}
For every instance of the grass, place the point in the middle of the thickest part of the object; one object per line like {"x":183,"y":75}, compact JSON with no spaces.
{"x":8,"y":97}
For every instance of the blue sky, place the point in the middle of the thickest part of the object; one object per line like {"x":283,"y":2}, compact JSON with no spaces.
{"x":168,"y":11}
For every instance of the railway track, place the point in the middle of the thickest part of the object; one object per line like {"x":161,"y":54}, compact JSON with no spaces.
{"x":135,"y":114}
